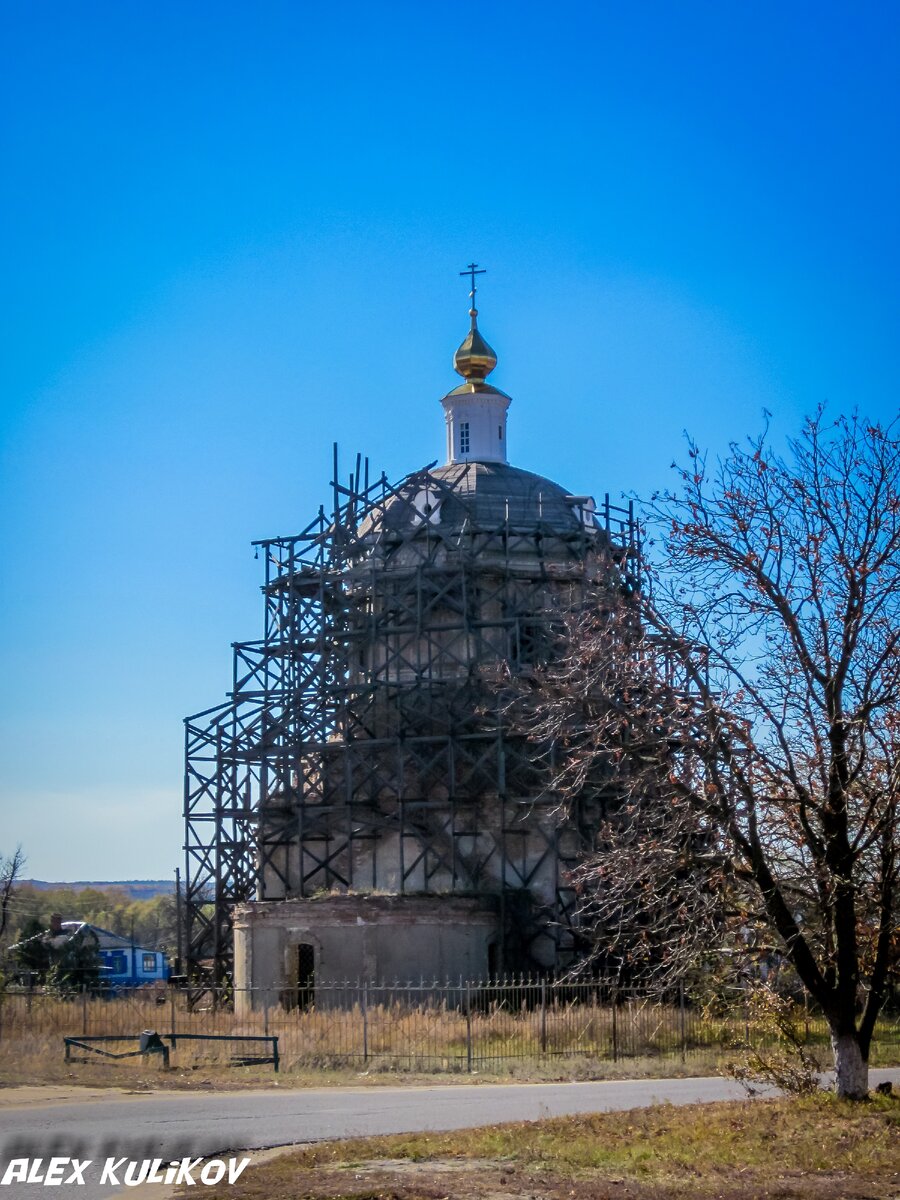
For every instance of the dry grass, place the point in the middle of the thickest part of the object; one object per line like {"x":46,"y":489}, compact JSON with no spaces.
{"x":39,"y":1059}
{"x":573,"y":1041}
{"x":815,"y":1147}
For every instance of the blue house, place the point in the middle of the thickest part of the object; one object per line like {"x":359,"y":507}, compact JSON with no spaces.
{"x":123,"y":964}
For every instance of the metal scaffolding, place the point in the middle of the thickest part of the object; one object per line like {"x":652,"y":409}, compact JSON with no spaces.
{"x":361,"y":746}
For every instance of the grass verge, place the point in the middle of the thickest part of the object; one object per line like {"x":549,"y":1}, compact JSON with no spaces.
{"x":817,"y":1147}
{"x":44,"y":1063}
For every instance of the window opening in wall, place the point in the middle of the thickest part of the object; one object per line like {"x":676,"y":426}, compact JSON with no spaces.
{"x":493,"y":960}
{"x":532,"y":642}
{"x":149,"y":962}
{"x":464,"y":437}
{"x":500,"y":433}
{"x":306,"y":975}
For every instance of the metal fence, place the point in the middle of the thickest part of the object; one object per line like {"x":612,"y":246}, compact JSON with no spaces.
{"x":434,"y":1027}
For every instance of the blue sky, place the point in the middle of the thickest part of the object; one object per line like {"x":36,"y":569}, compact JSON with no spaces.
{"x":232,"y":234}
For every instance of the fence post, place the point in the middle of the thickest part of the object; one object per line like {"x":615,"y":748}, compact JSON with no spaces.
{"x":682,"y":1017}
{"x":174,"y":1009}
{"x":544,"y":1016}
{"x":84,"y":1012}
{"x":172,"y":1014}
{"x":365,"y":1020}
{"x":468,"y":1027}
{"x":615,"y":1030}
{"x":265,"y":1010}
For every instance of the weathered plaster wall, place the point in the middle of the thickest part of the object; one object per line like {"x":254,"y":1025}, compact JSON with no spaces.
{"x":361,"y":937}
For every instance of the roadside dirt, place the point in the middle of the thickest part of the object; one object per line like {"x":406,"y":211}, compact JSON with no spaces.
{"x":40,"y":1095}
{"x":458,"y":1179}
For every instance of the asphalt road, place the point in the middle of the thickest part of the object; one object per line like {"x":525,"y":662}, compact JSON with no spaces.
{"x":174,"y":1125}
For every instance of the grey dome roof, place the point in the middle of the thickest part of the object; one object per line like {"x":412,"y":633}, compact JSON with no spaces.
{"x":484,"y":495}
{"x":492,"y":493}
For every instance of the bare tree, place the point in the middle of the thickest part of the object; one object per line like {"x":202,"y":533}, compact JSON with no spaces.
{"x":747,"y":707}
{"x":10,"y":870}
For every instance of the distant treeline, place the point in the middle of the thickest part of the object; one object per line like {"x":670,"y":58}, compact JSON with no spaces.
{"x":136,"y":889}
{"x":152,"y":922}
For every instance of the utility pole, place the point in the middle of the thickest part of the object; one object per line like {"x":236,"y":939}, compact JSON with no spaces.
{"x":179,"y":926}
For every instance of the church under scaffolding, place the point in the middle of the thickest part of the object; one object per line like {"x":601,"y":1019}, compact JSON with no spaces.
{"x":357,"y":807}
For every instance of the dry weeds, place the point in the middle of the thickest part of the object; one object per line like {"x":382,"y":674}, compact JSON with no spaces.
{"x":407,"y":1042}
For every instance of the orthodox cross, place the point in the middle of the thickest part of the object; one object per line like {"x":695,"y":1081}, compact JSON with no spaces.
{"x":472,"y":270}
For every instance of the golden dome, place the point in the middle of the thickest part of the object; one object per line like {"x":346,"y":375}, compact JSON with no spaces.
{"x":474,"y":360}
